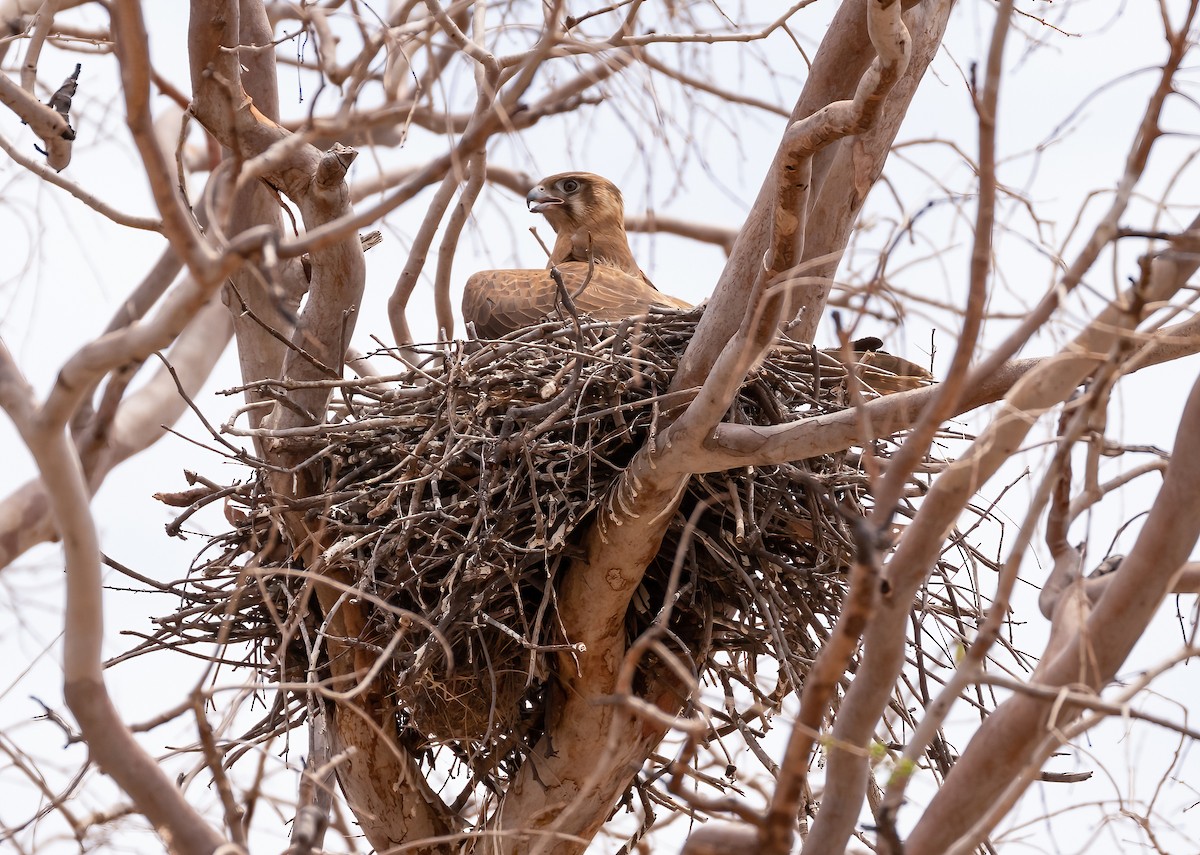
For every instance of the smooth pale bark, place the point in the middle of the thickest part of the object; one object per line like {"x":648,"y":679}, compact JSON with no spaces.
{"x":111,"y":745}
{"x":884,"y":641}
{"x":844,"y":55}
{"x":857,"y":162}
{"x":44,"y":429}
{"x":1006,"y":741}
{"x":272,"y":296}
{"x":25,"y":518}
{"x":382,"y":783}
{"x":591,"y":750}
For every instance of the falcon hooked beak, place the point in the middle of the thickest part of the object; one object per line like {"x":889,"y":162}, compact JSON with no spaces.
{"x":540,"y":200}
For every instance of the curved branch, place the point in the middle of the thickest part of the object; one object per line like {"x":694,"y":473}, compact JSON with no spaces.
{"x":25,"y":517}
{"x":101,"y":207}
{"x":406,"y":282}
{"x":111,"y":745}
{"x":792,"y":177}
{"x":130,"y":40}
{"x":1033,"y":395}
{"x":476,"y":169}
{"x":845,"y":55}
{"x":49,"y":124}
{"x":1010,"y":736}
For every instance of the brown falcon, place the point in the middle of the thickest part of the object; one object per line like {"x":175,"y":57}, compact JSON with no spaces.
{"x":588,"y":218}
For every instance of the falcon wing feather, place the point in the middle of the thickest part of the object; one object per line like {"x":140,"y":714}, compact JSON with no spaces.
{"x":500,"y":301}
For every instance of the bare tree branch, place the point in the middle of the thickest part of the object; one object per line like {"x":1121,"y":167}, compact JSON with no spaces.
{"x":1036,"y":392}
{"x":111,"y":744}
{"x":1090,"y":658}
{"x":25,"y":517}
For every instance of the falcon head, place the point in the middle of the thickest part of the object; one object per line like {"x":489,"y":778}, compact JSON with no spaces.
{"x":575,"y":200}
{"x":588,"y":217}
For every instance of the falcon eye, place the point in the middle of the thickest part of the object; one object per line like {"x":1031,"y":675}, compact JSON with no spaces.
{"x":570,"y":185}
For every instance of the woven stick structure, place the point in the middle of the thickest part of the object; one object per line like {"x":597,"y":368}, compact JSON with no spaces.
{"x":455,"y":491}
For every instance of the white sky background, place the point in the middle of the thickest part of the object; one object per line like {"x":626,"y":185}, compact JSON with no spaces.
{"x":63,"y":272}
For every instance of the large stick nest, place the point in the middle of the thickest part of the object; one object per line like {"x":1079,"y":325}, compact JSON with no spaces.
{"x":455,"y":494}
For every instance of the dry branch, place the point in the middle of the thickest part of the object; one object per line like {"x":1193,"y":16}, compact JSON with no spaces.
{"x":111,"y":744}
{"x":1089,"y":658}
{"x":1034,"y":395}
{"x":51,"y":123}
{"x":135,"y":425}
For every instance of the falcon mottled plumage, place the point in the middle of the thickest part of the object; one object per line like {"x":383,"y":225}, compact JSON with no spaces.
{"x":588,"y":217}
{"x":882,"y":371}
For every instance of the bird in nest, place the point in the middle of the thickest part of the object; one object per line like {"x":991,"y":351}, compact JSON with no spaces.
{"x":587,"y":214}
{"x":588,"y":218}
